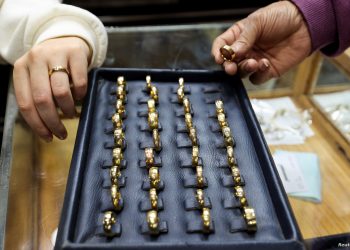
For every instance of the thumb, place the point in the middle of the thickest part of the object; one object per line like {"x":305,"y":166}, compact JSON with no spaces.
{"x":246,"y":39}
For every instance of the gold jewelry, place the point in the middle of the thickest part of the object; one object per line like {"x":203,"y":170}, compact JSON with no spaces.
{"x":200,"y":197}
{"x":153,"y":221}
{"x":153,"y":198}
{"x":195,"y":155}
{"x":119,"y":106}
{"x":117,"y":120}
{"x":236,"y":176}
{"x":200,"y":177}
{"x":121,"y":81}
{"x":227,"y":53}
{"x":188,"y":121}
{"x":193,"y":136}
{"x":180,"y":94}
{"x":149,"y":155}
{"x":154,"y":93}
{"x":187,"y":105}
{"x":154,"y":177}
{"x":206,"y":219}
{"x":153,"y":120}
{"x":119,"y":137}
{"x":222,"y":120}
{"x":151,"y":106}
{"x":226,"y":131}
{"x":121,"y":93}
{"x":114,"y":172}
{"x":249,"y":216}
{"x":117,"y":156}
{"x":58,"y":68}
{"x":108,"y":221}
{"x":116,"y":196}
{"x":230,"y":156}
{"x":148,"y":83}
{"x":219,"y":106}
{"x":156,"y":139}
{"x":240,"y":195}
{"x":181,"y":82}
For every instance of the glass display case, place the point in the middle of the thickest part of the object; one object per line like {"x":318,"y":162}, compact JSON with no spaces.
{"x":34,"y":173}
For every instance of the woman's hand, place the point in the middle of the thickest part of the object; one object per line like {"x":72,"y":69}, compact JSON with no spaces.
{"x":267,"y":43}
{"x":39,"y":95}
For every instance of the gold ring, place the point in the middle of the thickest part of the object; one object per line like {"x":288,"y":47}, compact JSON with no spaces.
{"x":187,"y":105}
{"x":119,"y":137}
{"x":58,"y":69}
{"x":222,"y":120}
{"x":108,"y":221}
{"x":149,"y":155}
{"x":156,"y":139}
{"x":249,"y":216}
{"x":121,"y":81}
{"x":181,"y":82}
{"x":206,"y":220}
{"x":153,"y":197}
{"x":117,"y":121}
{"x":114,"y":172}
{"x":200,"y":197}
{"x":117,"y":156}
{"x":119,"y":107}
{"x":148,"y":83}
{"x":195,"y":156}
{"x":188,"y":121}
{"x":227,"y":53}
{"x":153,"y":221}
{"x":154,"y":177}
{"x":121,"y":94}
{"x":200,"y":177}
{"x":151,"y":106}
{"x":219,"y":106}
{"x":193,"y":136}
{"x":180,"y":94}
{"x":116,"y":196}
{"x":154,"y":93}
{"x":153,"y":120}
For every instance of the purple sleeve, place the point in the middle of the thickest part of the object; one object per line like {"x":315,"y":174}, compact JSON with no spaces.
{"x":328,"y":22}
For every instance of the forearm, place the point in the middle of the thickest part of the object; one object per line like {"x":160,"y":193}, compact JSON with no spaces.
{"x":327,"y":21}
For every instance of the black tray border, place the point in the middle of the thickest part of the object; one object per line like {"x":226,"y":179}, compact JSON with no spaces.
{"x":290,"y":229}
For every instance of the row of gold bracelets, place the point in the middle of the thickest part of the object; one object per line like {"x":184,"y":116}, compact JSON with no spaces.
{"x":119,"y":143}
{"x":192,"y":133}
{"x":153,"y":221}
{"x":247,"y":211}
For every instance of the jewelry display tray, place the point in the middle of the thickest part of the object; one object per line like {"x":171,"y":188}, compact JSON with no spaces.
{"x":85,"y":197}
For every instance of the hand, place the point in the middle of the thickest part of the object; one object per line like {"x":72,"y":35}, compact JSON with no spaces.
{"x":267,"y":43}
{"x":39,"y":95}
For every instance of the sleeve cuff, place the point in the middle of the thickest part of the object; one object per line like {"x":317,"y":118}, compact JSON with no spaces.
{"x":320,"y":18}
{"x":63,"y":26}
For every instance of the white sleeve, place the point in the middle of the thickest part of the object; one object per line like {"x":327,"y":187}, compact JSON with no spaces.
{"x":24,"y":23}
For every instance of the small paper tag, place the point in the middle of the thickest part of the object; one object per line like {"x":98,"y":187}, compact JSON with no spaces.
{"x":290,"y":173}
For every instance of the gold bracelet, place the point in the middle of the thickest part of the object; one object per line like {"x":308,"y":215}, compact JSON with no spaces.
{"x":195,"y":156}
{"x":193,"y":136}
{"x":187,"y":105}
{"x":149,"y":156}
{"x":156,"y":139}
{"x":148,"y":83}
{"x":188,"y":121}
{"x":200,"y":197}
{"x":151,"y":104}
{"x":119,"y":106}
{"x":219,"y":107}
{"x":154,"y":93}
{"x":222,"y":120}
{"x":153,"y":120}
{"x":200,"y":177}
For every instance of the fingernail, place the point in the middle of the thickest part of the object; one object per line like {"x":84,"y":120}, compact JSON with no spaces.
{"x":63,"y":135}
{"x":265,"y":66}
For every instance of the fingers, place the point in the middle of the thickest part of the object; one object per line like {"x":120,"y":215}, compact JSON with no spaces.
{"x":21,"y":81}
{"x":42,"y":95}
{"x":78,"y":64}
{"x":61,"y":91}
